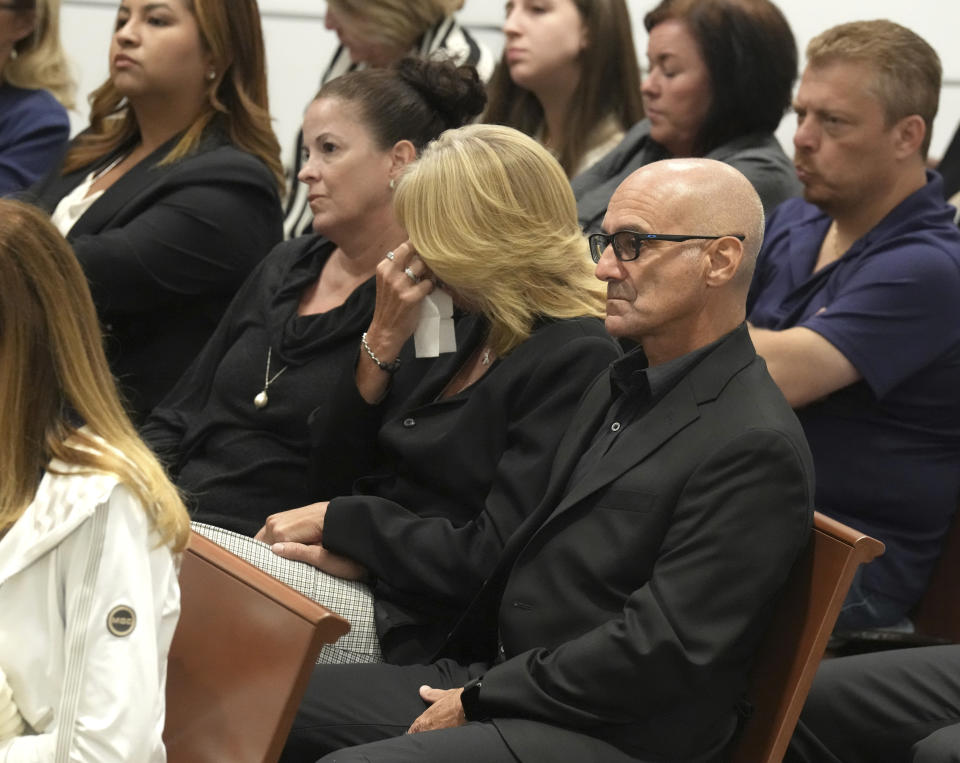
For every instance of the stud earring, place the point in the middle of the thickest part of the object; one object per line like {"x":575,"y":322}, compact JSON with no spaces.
{"x":392,"y":184}
{"x":212,"y":75}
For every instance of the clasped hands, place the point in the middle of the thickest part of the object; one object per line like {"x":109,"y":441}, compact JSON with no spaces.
{"x":297,"y":534}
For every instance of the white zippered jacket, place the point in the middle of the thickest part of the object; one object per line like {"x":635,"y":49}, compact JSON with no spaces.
{"x":72,"y":568}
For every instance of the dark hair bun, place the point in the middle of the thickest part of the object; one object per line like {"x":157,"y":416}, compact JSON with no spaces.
{"x":454,"y":92}
{"x":413,"y":100}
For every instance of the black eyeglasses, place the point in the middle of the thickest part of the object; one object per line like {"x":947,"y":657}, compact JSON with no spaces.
{"x":627,"y":244}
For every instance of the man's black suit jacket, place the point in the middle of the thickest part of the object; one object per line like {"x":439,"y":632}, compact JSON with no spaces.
{"x":630,"y":605}
{"x":164,"y":250}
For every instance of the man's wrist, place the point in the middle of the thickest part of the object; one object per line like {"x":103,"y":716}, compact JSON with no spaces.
{"x":470,"y":699}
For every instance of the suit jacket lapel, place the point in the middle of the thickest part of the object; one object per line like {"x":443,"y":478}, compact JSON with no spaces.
{"x":583,"y":427}
{"x":593,"y":407}
{"x":471,"y":329}
{"x":675,"y":411}
{"x":124,"y":192}
{"x":678,"y":408}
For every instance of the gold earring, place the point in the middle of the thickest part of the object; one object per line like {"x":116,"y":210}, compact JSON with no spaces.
{"x":392,"y":184}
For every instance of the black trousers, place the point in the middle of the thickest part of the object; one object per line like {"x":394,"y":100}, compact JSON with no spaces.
{"x":900,"y":706}
{"x":349,"y":705}
{"x":360,"y":713}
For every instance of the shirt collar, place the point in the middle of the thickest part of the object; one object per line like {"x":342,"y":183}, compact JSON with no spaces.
{"x":926,"y":204}
{"x":633,"y":373}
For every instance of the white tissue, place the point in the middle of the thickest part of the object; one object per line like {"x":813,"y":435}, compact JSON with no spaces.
{"x":434,"y":333}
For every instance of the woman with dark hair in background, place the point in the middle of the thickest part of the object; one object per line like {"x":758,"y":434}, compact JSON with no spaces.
{"x":720,"y":78}
{"x":171,"y":196}
{"x":568,"y":77}
{"x":35,"y":92}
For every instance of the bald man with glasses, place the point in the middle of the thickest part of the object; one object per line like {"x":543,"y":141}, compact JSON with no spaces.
{"x":622,"y":620}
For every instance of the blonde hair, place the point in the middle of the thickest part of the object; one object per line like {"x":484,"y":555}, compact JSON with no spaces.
{"x":40,"y":63}
{"x":236,"y":102}
{"x":57,"y":397}
{"x":491,"y":213}
{"x":907,"y":69}
{"x":395,"y":23}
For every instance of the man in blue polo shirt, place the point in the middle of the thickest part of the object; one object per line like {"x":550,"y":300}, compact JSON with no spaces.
{"x":855,"y":306}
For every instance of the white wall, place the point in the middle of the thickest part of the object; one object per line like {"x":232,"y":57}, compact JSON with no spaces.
{"x":298,"y":46}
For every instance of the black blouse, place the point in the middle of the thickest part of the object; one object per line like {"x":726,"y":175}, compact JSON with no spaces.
{"x":239,"y":463}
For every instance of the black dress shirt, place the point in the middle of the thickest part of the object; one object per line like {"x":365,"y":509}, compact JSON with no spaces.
{"x":635,"y":387}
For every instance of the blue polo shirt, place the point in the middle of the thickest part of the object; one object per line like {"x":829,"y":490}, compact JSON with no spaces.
{"x":886,"y":449}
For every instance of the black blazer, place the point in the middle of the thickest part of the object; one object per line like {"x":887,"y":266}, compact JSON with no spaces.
{"x":630,"y":606}
{"x":452,"y":478}
{"x":164,"y":249}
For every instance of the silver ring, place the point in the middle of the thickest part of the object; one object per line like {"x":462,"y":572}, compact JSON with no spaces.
{"x":411,"y":275}
{"x":391,"y":256}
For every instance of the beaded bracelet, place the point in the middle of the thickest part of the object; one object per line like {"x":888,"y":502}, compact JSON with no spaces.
{"x":388,"y":367}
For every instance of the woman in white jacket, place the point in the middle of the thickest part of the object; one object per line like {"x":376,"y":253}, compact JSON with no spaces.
{"x":90,"y":527}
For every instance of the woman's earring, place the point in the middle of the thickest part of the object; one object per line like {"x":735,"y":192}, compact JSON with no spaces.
{"x":212,"y":75}
{"x":392,"y":184}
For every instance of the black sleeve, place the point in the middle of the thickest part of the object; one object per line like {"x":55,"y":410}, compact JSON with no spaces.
{"x":168,"y":422}
{"x":344,"y":427}
{"x":201,"y":232}
{"x":343,"y":434}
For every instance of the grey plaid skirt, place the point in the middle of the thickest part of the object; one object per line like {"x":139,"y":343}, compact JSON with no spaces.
{"x":350,"y":599}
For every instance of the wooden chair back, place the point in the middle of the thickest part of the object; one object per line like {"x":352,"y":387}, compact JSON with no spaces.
{"x":937,"y":615}
{"x":792,"y":648}
{"x":240,"y":659}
